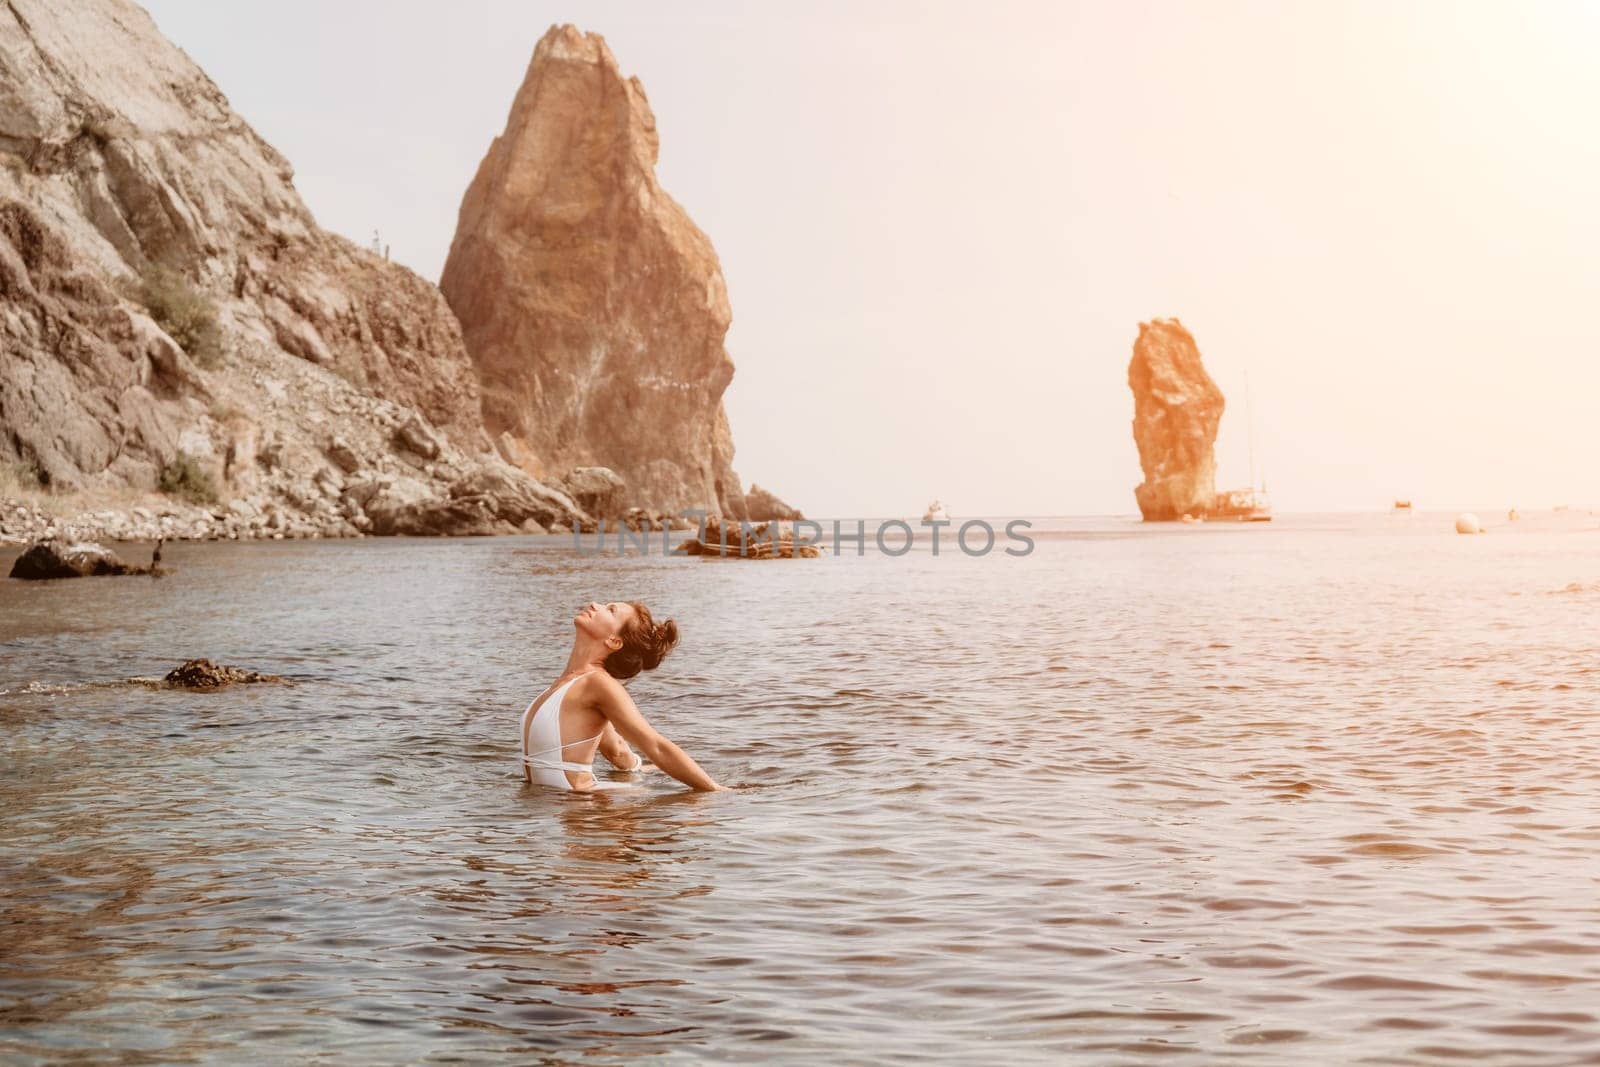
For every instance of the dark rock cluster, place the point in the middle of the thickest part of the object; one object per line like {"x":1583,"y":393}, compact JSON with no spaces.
{"x":765,"y":540}
{"x":46,"y":560}
{"x":204,"y":674}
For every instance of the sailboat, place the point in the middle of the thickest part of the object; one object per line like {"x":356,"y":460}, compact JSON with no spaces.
{"x":1252,"y":504}
{"x":1245,"y":505}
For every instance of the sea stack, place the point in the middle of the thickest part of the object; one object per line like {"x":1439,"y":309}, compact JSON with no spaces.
{"x":1176,"y":410}
{"x":593,"y":306}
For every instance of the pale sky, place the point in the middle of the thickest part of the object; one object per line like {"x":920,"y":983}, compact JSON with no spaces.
{"x":942,"y":223}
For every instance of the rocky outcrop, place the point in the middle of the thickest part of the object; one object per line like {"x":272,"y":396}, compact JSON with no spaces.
{"x":637,"y":519}
{"x":593,"y":306}
{"x":598,"y":490}
{"x":295,"y":362}
{"x":58,"y":559}
{"x":203,"y":674}
{"x":1176,"y":410}
{"x":763,"y":505}
{"x":487,"y":501}
{"x":765,"y":540}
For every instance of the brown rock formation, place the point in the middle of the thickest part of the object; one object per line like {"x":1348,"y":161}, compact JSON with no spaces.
{"x":56,"y":559}
{"x":1176,"y":410}
{"x":120,"y":160}
{"x":764,"y":540}
{"x":598,"y":490}
{"x":204,"y":674}
{"x":594,"y":308}
{"x":764,"y":505}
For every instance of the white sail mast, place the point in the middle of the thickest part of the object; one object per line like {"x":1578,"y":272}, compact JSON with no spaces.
{"x":1250,"y":416}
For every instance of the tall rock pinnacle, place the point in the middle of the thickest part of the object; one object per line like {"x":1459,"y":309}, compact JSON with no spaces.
{"x":593,"y":306}
{"x":1176,"y":410}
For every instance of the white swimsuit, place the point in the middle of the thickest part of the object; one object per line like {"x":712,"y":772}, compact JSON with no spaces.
{"x":543,"y":736}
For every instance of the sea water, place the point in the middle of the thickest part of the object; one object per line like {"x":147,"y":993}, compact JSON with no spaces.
{"x":1323,"y":790}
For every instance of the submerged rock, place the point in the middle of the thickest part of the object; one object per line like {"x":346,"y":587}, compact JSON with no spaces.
{"x":203,"y":674}
{"x":766,"y":540}
{"x":58,"y":559}
{"x":1176,"y":410}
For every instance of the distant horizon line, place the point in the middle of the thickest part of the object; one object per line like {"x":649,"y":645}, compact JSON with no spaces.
{"x":1440,"y":509}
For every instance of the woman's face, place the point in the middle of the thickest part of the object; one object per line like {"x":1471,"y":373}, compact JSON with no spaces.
{"x":603,"y":621}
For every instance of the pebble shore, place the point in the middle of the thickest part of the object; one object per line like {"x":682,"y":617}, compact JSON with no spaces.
{"x":22,"y":522}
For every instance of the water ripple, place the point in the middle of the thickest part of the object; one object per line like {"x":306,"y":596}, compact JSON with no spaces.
{"x":1317,"y":793}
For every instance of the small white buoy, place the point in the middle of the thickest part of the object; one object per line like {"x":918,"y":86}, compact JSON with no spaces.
{"x":1467,"y":523}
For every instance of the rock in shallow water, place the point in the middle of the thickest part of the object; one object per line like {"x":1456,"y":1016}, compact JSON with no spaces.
{"x":764,"y":540}
{"x":203,"y":674}
{"x":57,"y":559}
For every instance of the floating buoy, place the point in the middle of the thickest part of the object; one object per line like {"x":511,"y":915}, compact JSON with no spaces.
{"x":1467,"y":523}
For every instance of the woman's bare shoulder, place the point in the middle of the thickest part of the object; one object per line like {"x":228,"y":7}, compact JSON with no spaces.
{"x":610,"y":697}
{"x":600,"y":688}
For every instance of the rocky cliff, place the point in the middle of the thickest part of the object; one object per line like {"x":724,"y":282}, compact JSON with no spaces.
{"x":171,"y":316}
{"x":764,"y":506}
{"x":593,"y":306}
{"x":1176,"y":411}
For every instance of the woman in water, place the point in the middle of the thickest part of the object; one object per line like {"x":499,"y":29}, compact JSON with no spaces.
{"x":589,"y":710}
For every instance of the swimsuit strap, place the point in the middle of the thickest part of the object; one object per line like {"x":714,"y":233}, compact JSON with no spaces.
{"x":560,"y":764}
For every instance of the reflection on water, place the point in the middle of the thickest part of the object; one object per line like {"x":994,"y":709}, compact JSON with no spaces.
{"x":1321,"y":792}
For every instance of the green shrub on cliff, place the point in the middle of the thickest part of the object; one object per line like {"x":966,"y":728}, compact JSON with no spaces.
{"x":189,"y":317}
{"x":185,"y":479}
{"x":19,"y":476}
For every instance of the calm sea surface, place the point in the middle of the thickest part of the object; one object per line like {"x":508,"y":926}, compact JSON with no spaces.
{"x":1324,"y":791}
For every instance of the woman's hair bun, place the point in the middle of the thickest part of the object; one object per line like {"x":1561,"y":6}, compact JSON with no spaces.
{"x":645,"y":643}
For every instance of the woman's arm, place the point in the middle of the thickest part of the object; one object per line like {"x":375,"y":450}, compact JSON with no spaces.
{"x":616,"y":750}
{"x":621,"y":712}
